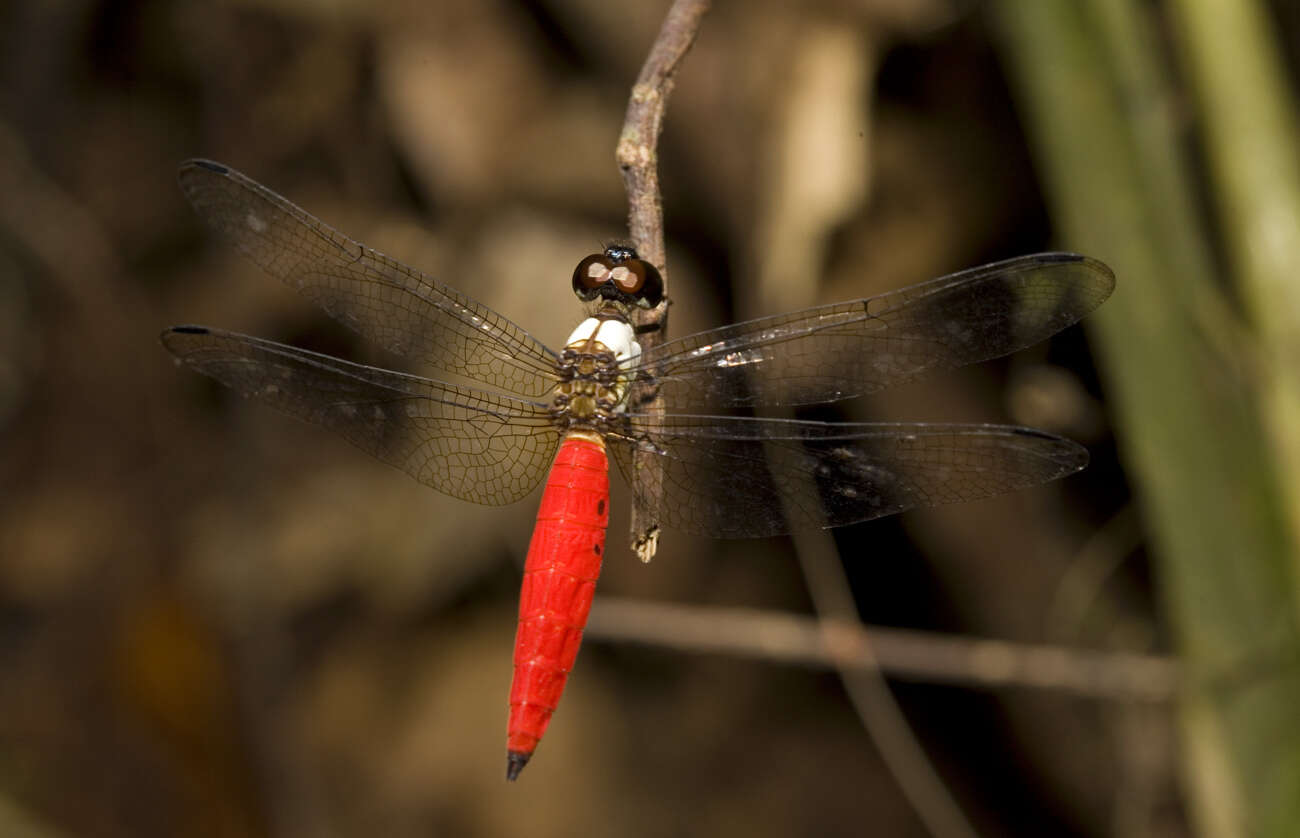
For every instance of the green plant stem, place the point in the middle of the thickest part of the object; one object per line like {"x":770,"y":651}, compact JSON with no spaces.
{"x":1096,"y":103}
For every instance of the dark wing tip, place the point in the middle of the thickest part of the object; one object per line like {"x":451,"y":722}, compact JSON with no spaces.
{"x":515,"y":762}
{"x":180,"y":340}
{"x":1069,"y":455}
{"x":210,"y":165}
{"x":1061,"y":257}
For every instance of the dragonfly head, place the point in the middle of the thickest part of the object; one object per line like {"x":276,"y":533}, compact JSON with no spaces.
{"x":620,"y":276}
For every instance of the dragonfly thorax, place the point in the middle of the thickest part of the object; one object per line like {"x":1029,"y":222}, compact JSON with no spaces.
{"x":594,"y":373}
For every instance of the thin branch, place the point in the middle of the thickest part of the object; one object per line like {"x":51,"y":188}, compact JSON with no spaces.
{"x":899,"y":653}
{"x":795,"y":224}
{"x":638,"y":159}
{"x":1079,"y":592}
{"x":637,"y":151}
{"x":854,"y":656}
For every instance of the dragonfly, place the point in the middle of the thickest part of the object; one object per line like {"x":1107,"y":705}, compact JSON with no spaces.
{"x":719,"y":468}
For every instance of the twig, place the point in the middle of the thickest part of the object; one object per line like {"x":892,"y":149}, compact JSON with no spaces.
{"x":638,"y":159}
{"x":795,"y":225}
{"x":1079,"y":590}
{"x":908,"y":655}
{"x":854,"y":656}
{"x":637,"y":151}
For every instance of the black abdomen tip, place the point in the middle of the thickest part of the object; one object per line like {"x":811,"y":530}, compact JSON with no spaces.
{"x":189,"y":330}
{"x":515,"y":762}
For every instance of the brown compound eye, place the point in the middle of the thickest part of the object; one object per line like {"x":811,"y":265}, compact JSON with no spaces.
{"x":591,"y":274}
{"x":628,"y":277}
{"x":650,"y":285}
{"x":618,"y":274}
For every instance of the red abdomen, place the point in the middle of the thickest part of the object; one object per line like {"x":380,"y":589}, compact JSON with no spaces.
{"x":559,"y":582}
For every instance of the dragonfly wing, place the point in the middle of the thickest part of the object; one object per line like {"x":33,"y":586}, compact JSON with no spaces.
{"x":738,"y":477}
{"x":466,"y":443}
{"x":843,"y":350}
{"x":393,"y":305}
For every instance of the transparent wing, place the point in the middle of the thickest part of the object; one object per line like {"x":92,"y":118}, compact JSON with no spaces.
{"x":393,"y":305}
{"x":843,"y":350}
{"x":736,"y":477}
{"x":472,"y":445}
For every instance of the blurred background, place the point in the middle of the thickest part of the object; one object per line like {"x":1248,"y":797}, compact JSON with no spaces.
{"x":215,"y":621}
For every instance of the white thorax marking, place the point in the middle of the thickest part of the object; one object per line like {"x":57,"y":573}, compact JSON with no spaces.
{"x":616,"y":336}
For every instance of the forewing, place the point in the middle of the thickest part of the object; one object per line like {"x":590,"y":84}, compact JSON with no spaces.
{"x":393,"y":305}
{"x":838,"y":351}
{"x":472,"y":445}
{"x":734,"y":477}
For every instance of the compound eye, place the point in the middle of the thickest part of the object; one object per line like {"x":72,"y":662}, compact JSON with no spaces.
{"x":629,"y":276}
{"x":650,"y":292}
{"x":591,"y":274}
